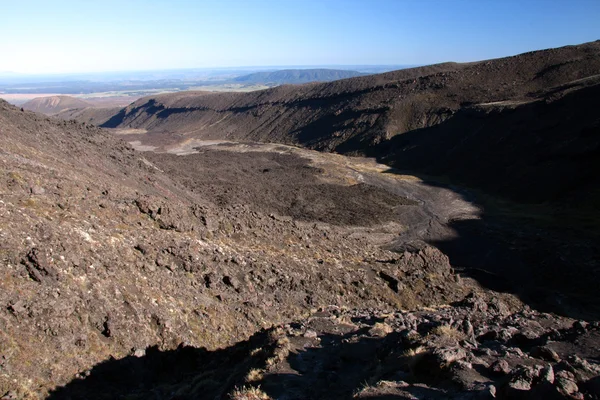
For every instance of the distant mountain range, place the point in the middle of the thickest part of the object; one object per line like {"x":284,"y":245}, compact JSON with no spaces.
{"x":175,"y":80}
{"x":184,"y":74}
{"x":295,"y":76}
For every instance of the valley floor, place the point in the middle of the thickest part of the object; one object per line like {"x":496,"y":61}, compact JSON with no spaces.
{"x":489,"y":345}
{"x":217,"y":269}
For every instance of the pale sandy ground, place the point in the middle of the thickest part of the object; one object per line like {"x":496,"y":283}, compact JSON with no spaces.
{"x":130,"y":131}
{"x":141,"y":147}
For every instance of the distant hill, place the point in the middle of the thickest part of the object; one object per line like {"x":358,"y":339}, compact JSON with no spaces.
{"x":295,"y":76}
{"x":420,"y":119}
{"x":54,"y":104}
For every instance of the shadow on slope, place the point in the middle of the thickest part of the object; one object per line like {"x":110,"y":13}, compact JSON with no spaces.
{"x":343,"y":365}
{"x":336,"y":366}
{"x":534,"y":169}
{"x":184,"y":373}
{"x":351,"y":354}
{"x":529,"y":153}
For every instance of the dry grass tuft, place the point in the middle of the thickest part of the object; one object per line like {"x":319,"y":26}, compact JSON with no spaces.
{"x":254,"y":375}
{"x":249,"y":393}
{"x":282,"y":350}
{"x":413,"y":352}
{"x":447,"y":331}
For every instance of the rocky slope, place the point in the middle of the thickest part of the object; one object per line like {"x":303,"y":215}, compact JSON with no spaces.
{"x":123,"y":277}
{"x":519,"y":134}
{"x":351,"y":114}
{"x":476,"y":349}
{"x":89,"y":115}
{"x":244,"y":271}
{"x":103,"y":254}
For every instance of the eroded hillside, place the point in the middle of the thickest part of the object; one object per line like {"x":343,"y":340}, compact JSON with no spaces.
{"x":519,"y":134}
{"x":498,"y":126}
{"x":104,"y":254}
{"x":55,"y":104}
{"x":352,"y":114}
{"x":218,"y":269}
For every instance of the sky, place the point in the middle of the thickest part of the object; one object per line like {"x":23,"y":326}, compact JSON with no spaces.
{"x":40,"y":36}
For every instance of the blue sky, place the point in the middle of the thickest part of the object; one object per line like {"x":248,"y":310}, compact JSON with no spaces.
{"x":85,"y":36}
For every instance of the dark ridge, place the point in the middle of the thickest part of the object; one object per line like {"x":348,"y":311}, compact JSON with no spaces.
{"x":368,"y":110}
{"x":538,"y":152}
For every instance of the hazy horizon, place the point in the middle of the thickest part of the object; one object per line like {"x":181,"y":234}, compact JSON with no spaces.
{"x":72,"y":37}
{"x":216,"y":68}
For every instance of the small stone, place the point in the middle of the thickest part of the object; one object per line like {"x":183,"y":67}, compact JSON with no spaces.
{"x":380,"y":329}
{"x":580,"y":326}
{"x":18,"y":307}
{"x":580,"y":363}
{"x":142,"y":248}
{"x":409,"y":336}
{"x":139,"y":353}
{"x":486,"y":351}
{"x":464,"y":365}
{"x":520,"y":384}
{"x":500,"y":367}
{"x":310,"y":334}
{"x":547,"y":374}
{"x":515,"y":351}
{"x":468,"y":329}
{"x":447,"y":356}
{"x":545,"y":353}
{"x":505,"y":335}
{"x":37,"y":190}
{"x":565,"y":381}
{"x":231,"y":282}
{"x":10,"y":395}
